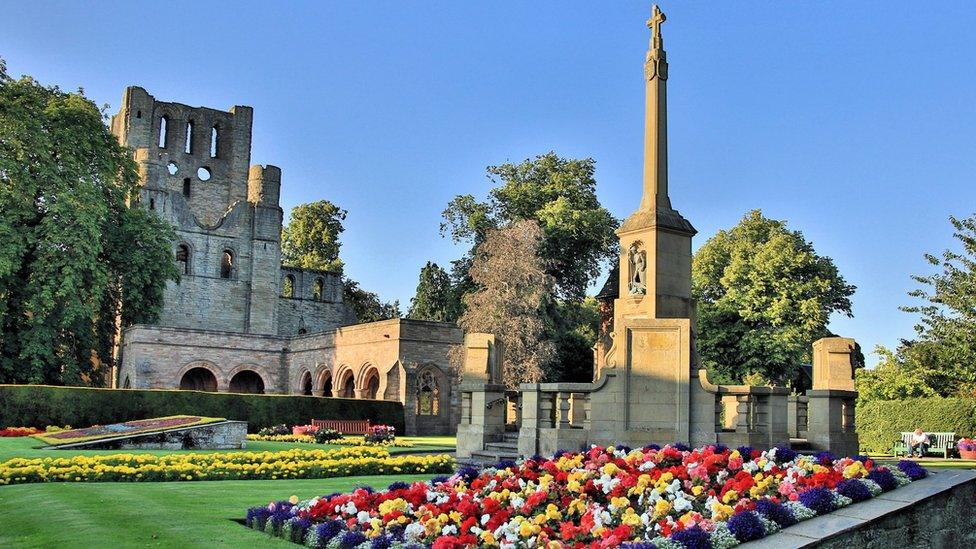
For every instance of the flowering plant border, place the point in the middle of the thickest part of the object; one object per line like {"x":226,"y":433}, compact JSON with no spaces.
{"x":669,"y":498}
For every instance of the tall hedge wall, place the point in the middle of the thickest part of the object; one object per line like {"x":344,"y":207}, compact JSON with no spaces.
{"x":880,"y":422}
{"x":42,"y":405}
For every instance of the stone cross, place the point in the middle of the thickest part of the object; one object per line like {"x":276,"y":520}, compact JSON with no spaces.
{"x":654,"y":23}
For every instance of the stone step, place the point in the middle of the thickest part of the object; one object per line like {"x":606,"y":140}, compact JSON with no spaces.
{"x":490,"y":456}
{"x":510,"y":437}
{"x":506,"y":447}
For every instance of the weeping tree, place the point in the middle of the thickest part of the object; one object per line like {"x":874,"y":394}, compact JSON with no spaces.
{"x":77,"y":263}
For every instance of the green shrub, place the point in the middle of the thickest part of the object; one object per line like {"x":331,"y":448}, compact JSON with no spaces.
{"x":325,"y":436}
{"x":40,"y":405}
{"x":880,"y":422}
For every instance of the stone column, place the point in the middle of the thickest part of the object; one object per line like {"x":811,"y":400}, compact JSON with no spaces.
{"x":830,"y":414}
{"x":487,"y":418}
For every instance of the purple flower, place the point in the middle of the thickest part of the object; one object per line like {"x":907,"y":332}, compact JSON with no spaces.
{"x":328,"y":530}
{"x":825,"y":458}
{"x":381,"y":542}
{"x":720,"y":448}
{"x":505,"y":464}
{"x":746,"y":452}
{"x":784,"y":455}
{"x":776,"y":512}
{"x":398,"y":485}
{"x":299,"y":527}
{"x":819,"y":500}
{"x":351,"y":539}
{"x":681,"y":447}
{"x":693,"y":538}
{"x":654,"y":447}
{"x":912,"y":469}
{"x":440,"y":479}
{"x":256,"y":517}
{"x":746,"y":526}
{"x":638,"y":545}
{"x":468,"y":473}
{"x":368,"y":489}
{"x":885,"y":479}
{"x":861,"y":458}
{"x":854,"y":489}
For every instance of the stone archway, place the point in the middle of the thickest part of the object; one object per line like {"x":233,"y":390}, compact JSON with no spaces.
{"x":247,"y":381}
{"x":199,"y":379}
{"x":305,"y":383}
{"x":371,"y":383}
{"x":347,"y":385}
{"x":325,"y":384}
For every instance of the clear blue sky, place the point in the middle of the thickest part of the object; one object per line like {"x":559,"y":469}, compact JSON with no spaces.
{"x":853,"y":121}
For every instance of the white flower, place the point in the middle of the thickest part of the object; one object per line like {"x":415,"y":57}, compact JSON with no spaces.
{"x":362,"y":516}
{"x":449,"y":530}
{"x":485,"y":518}
{"x":414,"y":530}
{"x":646,"y":466}
{"x":681,"y":504}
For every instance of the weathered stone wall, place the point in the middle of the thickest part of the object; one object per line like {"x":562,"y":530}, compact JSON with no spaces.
{"x":394,"y":351}
{"x":315,"y":305}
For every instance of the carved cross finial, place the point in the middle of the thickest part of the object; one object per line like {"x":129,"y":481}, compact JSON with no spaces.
{"x":654,"y":23}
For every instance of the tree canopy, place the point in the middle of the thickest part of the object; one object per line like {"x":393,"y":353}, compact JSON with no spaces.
{"x":75,"y":260}
{"x":764,"y":296}
{"x":941,"y":359}
{"x":310,"y":239}
{"x":513,"y":288}
{"x":435,"y":298}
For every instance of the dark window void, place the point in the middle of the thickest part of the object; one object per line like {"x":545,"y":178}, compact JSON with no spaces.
{"x":327,"y":384}
{"x":247,"y":381}
{"x":186,"y":187}
{"x":163,"y":131}
{"x":183,"y":258}
{"x":152,"y":203}
{"x":214,"y":142}
{"x":372,"y":385}
{"x":227,"y":264}
{"x":318,"y":289}
{"x":199,"y":379}
{"x":138,"y":114}
{"x":306,"y":384}
{"x":302,"y":331}
{"x":188,"y":146}
{"x":288,"y":287}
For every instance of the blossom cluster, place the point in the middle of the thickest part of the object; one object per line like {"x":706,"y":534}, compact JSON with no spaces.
{"x":287,"y":464}
{"x":343,"y":441}
{"x":19,"y":431}
{"x":670,"y":498}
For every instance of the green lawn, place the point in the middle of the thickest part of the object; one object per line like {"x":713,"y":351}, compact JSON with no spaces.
{"x":153,"y":514}
{"x":28,"y":447}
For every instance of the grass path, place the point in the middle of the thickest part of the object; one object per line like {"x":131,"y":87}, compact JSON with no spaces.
{"x":28,"y":447}
{"x":153,"y":514}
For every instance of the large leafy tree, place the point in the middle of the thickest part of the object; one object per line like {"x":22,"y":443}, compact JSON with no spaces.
{"x":764,"y":295}
{"x":76,"y":262}
{"x":559,"y":194}
{"x":310,"y":239}
{"x":435,"y":298}
{"x":513,"y":288}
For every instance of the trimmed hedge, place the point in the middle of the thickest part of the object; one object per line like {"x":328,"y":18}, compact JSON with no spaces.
{"x":42,"y":405}
{"x":880,"y":422}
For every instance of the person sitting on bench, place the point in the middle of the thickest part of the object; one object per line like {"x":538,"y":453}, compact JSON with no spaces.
{"x":918,"y":442}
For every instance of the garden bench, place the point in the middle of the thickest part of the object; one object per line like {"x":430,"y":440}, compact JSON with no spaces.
{"x":344,"y":426}
{"x":942,"y":443}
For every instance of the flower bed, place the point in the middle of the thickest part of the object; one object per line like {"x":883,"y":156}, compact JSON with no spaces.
{"x":97,"y":432}
{"x":288,"y":464}
{"x":343,"y":441}
{"x":670,"y":498}
{"x":18,"y":432}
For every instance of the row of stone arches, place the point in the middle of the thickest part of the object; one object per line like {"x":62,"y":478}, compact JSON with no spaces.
{"x":204,"y":376}
{"x":343,"y":384}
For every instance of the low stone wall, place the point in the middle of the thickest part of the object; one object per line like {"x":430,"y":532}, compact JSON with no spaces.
{"x":930,"y":513}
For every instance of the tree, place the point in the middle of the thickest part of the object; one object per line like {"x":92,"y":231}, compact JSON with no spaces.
{"x":559,"y":194}
{"x":367,"y":305}
{"x":893,"y":378}
{"x":764,"y":296}
{"x":435,"y":298}
{"x":310,"y":240}
{"x":76,"y":262}
{"x":513,"y":287}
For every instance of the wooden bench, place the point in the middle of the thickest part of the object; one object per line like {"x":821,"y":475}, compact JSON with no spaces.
{"x":942,"y":443}
{"x":344,"y":426}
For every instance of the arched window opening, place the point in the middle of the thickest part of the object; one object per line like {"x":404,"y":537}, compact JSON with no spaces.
{"x":317,"y":289}
{"x":214,"y":142}
{"x":302,"y":331}
{"x":428,"y":395}
{"x":188,"y":147}
{"x":306,"y":384}
{"x":186,"y":187}
{"x":138,"y":114}
{"x":163,"y":131}
{"x":326,"y":383}
{"x":247,"y":381}
{"x":183,"y":258}
{"x":372,"y":385}
{"x":227,"y":265}
{"x":152,"y":203}
{"x":127,"y":384}
{"x":288,"y":286}
{"x":199,"y":379}
{"x":348,"y":388}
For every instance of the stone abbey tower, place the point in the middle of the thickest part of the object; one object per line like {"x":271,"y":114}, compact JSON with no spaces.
{"x":238,"y":320}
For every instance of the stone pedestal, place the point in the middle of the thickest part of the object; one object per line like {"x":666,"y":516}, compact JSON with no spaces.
{"x":483,"y":408}
{"x":830,"y":416}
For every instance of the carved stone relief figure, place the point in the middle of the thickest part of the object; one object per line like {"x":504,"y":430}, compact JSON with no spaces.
{"x":638,"y":269}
